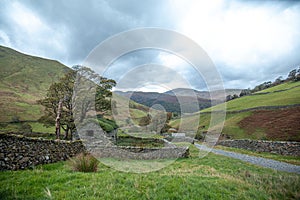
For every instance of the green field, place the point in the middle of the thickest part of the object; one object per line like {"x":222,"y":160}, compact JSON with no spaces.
{"x":288,"y":97}
{"x":36,"y":127}
{"x":211,"y":177}
{"x":284,"y":86}
{"x":230,"y":128}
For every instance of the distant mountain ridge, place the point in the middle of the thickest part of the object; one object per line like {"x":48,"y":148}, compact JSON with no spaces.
{"x":202,"y":94}
{"x":177,"y":100}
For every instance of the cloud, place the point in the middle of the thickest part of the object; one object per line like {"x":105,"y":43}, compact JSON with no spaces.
{"x":151,"y":76}
{"x":69,"y":30}
{"x":26,"y":31}
{"x":249,"y":41}
{"x":4,"y":39}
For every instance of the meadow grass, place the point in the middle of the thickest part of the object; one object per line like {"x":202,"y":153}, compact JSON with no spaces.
{"x":36,"y":127}
{"x":135,"y":113}
{"x":40,"y":128}
{"x":231,"y":126}
{"x":283,"y":86}
{"x":210,"y":177}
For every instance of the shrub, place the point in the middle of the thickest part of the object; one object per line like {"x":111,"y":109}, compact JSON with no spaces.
{"x":107,"y":125}
{"x":84,"y":162}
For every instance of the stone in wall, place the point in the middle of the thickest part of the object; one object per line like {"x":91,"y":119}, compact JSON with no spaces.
{"x":139,"y":153}
{"x":277,"y":147}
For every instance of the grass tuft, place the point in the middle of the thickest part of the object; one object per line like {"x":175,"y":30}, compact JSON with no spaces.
{"x":84,"y":162}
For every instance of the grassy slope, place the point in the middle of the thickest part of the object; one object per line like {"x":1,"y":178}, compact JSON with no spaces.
{"x":288,"y":97}
{"x":283,"y":86}
{"x":136,"y":110}
{"x":211,"y":177}
{"x":23,"y":80}
{"x":231,"y":127}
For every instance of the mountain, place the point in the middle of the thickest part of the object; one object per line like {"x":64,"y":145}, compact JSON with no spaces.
{"x":171,"y":103}
{"x":23,"y":80}
{"x":202,"y":94}
{"x":178,"y":100}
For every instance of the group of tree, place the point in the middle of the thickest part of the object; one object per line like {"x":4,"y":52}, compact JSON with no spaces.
{"x":59,"y":101}
{"x":294,"y":75}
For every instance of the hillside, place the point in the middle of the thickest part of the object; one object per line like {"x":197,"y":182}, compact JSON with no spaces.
{"x":171,"y":103}
{"x":178,"y":100}
{"x":270,"y":114}
{"x":202,"y":94}
{"x":23,"y":80}
{"x":135,"y":111}
{"x":280,"y":95}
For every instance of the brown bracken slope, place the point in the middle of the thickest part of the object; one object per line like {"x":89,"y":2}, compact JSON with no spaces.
{"x":282,"y":124}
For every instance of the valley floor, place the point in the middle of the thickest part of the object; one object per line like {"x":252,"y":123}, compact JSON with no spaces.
{"x":210,"y":177}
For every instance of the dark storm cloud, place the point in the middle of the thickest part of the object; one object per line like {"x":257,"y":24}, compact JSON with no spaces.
{"x":249,"y":41}
{"x":84,"y":23}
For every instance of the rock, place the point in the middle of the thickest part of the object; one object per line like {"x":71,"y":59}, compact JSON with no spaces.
{"x":24,"y":160}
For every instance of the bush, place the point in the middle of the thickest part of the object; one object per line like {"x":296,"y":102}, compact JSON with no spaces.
{"x":107,"y":125}
{"x":84,"y":162}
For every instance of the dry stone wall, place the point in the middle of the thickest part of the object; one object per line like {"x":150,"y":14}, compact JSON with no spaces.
{"x":19,"y":152}
{"x":139,"y":153}
{"x":277,"y":147}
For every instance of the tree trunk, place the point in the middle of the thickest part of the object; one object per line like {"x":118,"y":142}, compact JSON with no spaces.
{"x":67,"y":133}
{"x":57,"y":120}
{"x":71,"y":135}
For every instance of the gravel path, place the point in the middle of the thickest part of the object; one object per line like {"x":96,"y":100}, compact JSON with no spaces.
{"x":264,"y":162}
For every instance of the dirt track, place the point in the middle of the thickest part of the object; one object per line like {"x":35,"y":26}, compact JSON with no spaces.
{"x":281,"y":124}
{"x":264,"y":162}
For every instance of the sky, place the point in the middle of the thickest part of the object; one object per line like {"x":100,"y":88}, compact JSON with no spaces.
{"x":249,"y":42}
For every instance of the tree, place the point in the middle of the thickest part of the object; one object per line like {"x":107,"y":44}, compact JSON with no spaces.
{"x":298,"y":74}
{"x":262,"y":86}
{"x":245,"y":92}
{"x":59,"y":99}
{"x":292,"y":75}
{"x":278,"y":81}
{"x":92,"y":93}
{"x":58,"y":105}
{"x":228,"y":97}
